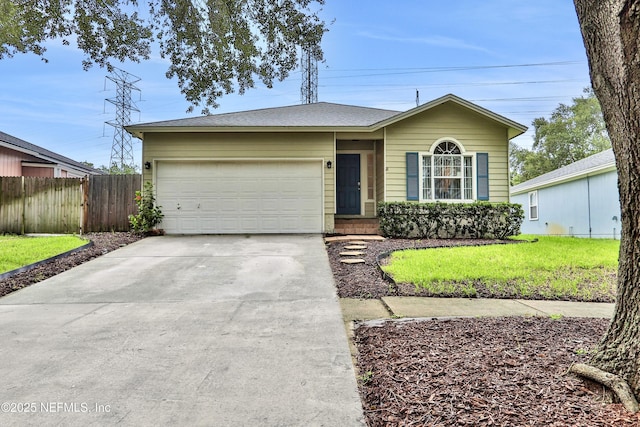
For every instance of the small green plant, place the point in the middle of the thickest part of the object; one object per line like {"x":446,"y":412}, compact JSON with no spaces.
{"x":366,"y":377}
{"x":555,"y":316}
{"x":149,"y":215}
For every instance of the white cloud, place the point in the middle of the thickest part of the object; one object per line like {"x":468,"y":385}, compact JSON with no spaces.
{"x":437,"y":41}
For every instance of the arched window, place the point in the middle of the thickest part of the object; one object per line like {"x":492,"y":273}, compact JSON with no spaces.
{"x":447,"y":174}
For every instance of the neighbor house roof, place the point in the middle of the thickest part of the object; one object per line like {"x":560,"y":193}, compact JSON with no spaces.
{"x":321,"y":116}
{"x":42,"y":154}
{"x":592,"y":165}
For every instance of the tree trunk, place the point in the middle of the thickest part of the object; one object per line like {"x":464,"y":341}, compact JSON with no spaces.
{"x":611,"y":33}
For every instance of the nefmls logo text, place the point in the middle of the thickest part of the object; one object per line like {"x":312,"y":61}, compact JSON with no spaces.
{"x":72,"y":407}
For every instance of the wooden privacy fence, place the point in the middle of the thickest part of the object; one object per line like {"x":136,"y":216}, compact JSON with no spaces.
{"x":110,"y":201}
{"x":67,"y":205}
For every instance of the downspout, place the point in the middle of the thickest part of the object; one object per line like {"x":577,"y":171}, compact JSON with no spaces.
{"x":335,"y":165}
{"x":384,"y":163}
{"x":589,"y":204}
{"x":508,"y":169}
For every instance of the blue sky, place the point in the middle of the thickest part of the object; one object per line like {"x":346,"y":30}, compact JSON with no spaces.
{"x":518,"y":59}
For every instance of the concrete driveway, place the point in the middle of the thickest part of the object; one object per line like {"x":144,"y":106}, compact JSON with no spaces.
{"x":174,"y":330}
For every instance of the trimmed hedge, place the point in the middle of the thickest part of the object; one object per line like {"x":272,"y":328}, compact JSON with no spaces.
{"x":480,"y":220}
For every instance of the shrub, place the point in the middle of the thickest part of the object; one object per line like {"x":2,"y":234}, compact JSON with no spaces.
{"x":479,"y":220}
{"x":149,"y":215}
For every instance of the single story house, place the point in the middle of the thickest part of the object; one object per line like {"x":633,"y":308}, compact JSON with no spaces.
{"x":302,"y":168}
{"x":21,"y":158}
{"x":580,"y":199}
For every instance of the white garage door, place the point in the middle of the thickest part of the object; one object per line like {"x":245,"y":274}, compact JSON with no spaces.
{"x":225,"y":197}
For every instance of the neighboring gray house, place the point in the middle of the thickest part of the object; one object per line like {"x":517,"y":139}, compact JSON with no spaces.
{"x":580,"y":199}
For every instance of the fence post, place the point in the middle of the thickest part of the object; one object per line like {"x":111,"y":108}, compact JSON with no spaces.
{"x":84,"y":216}
{"x":23,"y":217}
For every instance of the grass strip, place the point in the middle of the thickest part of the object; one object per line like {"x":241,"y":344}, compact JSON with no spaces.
{"x":19,"y":251}
{"x":551,"y":268}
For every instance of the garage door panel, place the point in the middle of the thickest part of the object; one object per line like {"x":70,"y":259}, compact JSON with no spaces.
{"x":270,"y":223}
{"x":228,"y":225}
{"x":240,"y":197}
{"x":269,"y":207}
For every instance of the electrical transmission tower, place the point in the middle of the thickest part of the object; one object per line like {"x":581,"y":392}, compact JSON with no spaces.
{"x":309,"y":67}
{"x":122,"y":148}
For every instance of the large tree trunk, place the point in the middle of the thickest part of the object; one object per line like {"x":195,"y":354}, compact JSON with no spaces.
{"x":611,"y":33}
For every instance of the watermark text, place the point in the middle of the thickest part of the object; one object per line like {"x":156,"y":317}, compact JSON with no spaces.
{"x":53,"y":407}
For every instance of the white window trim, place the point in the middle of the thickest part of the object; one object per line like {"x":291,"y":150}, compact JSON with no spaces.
{"x":464,"y":153}
{"x":444,"y":139}
{"x":536,"y":205}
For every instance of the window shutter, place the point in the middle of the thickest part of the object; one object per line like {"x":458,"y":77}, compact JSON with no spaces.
{"x":412,"y":177}
{"x":483,"y":175}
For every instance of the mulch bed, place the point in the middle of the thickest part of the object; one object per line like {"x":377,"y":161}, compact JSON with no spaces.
{"x":508,"y":371}
{"x":102,"y":244}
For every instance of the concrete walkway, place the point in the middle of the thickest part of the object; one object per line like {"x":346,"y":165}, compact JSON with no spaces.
{"x":414,"y":307}
{"x":202,"y":330}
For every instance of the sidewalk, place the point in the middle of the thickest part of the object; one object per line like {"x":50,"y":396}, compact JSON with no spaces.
{"x":415,"y":307}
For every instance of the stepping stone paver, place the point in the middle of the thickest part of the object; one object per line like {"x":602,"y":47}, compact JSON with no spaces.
{"x":351,"y":253}
{"x":352,"y":237}
{"x":352,"y":261}
{"x":355,"y":247}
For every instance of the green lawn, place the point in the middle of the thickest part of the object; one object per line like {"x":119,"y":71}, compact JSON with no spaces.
{"x":18,"y":251}
{"x":551,"y":268}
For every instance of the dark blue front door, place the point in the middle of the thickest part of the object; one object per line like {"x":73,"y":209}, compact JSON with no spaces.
{"x":348,"y":184}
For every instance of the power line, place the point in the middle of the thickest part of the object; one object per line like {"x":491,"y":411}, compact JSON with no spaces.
{"x":450,"y":67}
{"x":405,"y":71}
{"x":506,"y":83}
{"x":530,"y":98}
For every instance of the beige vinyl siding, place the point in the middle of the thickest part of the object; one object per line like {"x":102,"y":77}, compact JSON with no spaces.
{"x":475,"y":132}
{"x":380,"y":174}
{"x":212,"y":146}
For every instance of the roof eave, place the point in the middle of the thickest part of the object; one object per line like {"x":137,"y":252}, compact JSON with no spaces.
{"x":139,"y":131}
{"x":597,"y":170}
{"x":50,"y":160}
{"x":20,"y":149}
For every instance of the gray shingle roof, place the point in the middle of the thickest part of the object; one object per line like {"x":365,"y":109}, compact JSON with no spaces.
{"x":320,"y":114}
{"x":595,"y":162}
{"x":47,"y":156}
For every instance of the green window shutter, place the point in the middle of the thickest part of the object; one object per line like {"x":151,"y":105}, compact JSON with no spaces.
{"x":413,"y":187}
{"x":483,"y":175}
